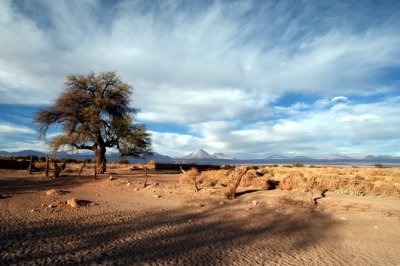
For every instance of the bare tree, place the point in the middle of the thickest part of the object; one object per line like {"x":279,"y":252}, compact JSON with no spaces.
{"x":94,"y":114}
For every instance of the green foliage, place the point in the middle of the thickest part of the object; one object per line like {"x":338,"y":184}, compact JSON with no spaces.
{"x":379,"y":165}
{"x":123,"y":161}
{"x":68,"y":160}
{"x":297,"y":164}
{"x":94,"y":114}
{"x":350,"y":190}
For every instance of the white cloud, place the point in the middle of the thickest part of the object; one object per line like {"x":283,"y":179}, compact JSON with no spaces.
{"x":360,"y":118}
{"x":10,"y":130}
{"x":339,"y":99}
{"x":358,"y":129}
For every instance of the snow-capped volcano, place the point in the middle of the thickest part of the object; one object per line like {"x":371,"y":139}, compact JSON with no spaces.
{"x":203,"y":155}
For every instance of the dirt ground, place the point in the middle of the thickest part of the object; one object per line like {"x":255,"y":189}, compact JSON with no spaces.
{"x":166,"y":223}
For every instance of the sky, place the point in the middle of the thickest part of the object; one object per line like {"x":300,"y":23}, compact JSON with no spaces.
{"x":247,"y":78}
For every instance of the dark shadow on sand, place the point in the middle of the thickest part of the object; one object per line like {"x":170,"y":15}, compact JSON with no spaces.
{"x":178,"y":237}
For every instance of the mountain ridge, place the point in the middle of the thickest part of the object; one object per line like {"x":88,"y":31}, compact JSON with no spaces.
{"x":220,"y":158}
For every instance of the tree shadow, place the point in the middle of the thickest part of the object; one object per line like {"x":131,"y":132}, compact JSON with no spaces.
{"x":212,"y":237}
{"x":241,"y":193}
{"x":27,"y":184}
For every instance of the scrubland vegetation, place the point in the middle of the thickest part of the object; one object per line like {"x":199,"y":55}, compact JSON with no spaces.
{"x":342,"y":180}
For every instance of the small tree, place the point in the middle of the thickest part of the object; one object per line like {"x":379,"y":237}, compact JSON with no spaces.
{"x":94,"y":114}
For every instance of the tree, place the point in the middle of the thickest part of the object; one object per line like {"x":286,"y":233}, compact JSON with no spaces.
{"x":93,"y":113}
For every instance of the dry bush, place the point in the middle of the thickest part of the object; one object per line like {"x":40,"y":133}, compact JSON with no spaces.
{"x":294,"y":180}
{"x":215,"y":178}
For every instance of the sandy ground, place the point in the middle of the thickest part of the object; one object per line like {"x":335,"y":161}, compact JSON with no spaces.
{"x":168,"y":224}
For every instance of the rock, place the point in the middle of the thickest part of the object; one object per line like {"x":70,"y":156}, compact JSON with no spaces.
{"x":53,"y":192}
{"x":157,"y":196}
{"x":51,"y":206}
{"x":254,"y":202}
{"x":221,"y":203}
{"x":111,"y":177}
{"x":136,"y":189}
{"x":128,"y":184}
{"x":73,"y":203}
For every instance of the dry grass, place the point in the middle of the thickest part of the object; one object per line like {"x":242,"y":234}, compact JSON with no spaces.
{"x":344,"y":180}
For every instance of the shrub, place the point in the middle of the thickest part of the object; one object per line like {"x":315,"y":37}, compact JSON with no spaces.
{"x":123,"y":161}
{"x":298,"y":164}
{"x":351,"y":191}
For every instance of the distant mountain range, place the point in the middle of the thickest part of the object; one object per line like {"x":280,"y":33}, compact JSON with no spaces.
{"x":200,"y":156}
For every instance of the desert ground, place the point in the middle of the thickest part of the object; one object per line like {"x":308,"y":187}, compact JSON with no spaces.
{"x":118,"y":221}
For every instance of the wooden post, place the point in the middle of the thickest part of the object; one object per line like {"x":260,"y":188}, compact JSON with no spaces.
{"x":46,"y":171}
{"x":80,"y":170}
{"x":145,"y":172}
{"x":95,"y":171}
{"x":30,"y":165}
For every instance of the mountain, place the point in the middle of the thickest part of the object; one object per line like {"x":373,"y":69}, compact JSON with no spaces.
{"x":380,"y":158}
{"x":222,"y":156}
{"x":202,"y":157}
{"x":277,"y":156}
{"x":22,"y":153}
{"x":111,"y":157}
{"x":199,"y":154}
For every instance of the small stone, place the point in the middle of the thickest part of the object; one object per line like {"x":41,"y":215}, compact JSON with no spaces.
{"x":136,"y":189}
{"x":34,"y":210}
{"x":221,"y":203}
{"x":157,"y":196}
{"x":52,"y":192}
{"x":254,"y":202}
{"x":343,"y":218}
{"x":50,"y":206}
{"x":111,"y":177}
{"x":376,"y":227}
{"x":128,"y":184}
{"x":248,"y":209}
{"x":73,"y":203}
{"x":43,"y":205}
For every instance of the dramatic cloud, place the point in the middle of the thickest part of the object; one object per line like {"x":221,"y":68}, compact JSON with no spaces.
{"x":246,"y":77}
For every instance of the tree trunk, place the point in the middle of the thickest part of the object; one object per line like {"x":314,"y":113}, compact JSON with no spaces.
{"x":57,"y":170}
{"x":237,"y":177}
{"x":101,"y":160}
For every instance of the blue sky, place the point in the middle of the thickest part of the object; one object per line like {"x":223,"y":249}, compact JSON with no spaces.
{"x":246,"y":78}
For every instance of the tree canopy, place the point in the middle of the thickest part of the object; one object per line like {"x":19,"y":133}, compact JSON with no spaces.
{"x":93,"y":113}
